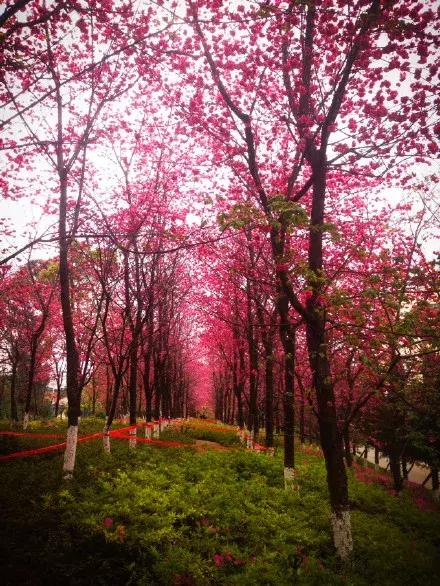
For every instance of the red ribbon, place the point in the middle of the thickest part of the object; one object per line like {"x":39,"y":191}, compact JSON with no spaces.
{"x":45,"y":449}
{"x":121,"y":433}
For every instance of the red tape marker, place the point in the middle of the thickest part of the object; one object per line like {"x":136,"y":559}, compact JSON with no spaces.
{"x":121,"y":433}
{"x":45,"y":449}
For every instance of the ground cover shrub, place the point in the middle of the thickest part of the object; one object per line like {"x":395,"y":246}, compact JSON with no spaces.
{"x":57,"y":425}
{"x":164,"y":516}
{"x":174,"y":433}
{"x":190,"y":525}
{"x":226,"y":437}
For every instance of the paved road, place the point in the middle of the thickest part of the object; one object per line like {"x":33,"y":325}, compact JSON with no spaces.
{"x":418,"y":473}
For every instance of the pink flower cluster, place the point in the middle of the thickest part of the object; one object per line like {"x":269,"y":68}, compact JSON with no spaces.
{"x":226,"y":558}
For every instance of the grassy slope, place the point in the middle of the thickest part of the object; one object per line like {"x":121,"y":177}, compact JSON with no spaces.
{"x":176,"y":516}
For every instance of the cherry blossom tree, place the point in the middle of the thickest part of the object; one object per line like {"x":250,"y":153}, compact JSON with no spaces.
{"x":311,"y":71}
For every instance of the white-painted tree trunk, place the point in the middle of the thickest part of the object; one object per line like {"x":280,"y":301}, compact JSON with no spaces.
{"x":148,"y":432}
{"x":341,"y":525}
{"x":25,"y":421}
{"x":132,"y":441}
{"x":70,"y":452}
{"x":289,"y":478}
{"x":106,"y":440}
{"x":156,"y":431}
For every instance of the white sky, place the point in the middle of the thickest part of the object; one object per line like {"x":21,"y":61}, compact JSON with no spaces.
{"x":28,"y":221}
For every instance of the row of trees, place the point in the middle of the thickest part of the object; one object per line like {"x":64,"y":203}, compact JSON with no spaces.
{"x":382,"y":307}
{"x":271,"y":116}
{"x":133,"y":336}
{"x":305,"y":111}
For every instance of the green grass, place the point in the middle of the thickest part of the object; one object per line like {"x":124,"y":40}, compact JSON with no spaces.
{"x":165,"y":516}
{"x":189,"y":433}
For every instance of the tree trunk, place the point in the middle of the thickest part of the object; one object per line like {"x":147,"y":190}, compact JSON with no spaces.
{"x":58,"y":397}
{"x":376,"y":456}
{"x":253,"y":366}
{"x":347,"y":450}
{"x":30,"y":383}
{"x":106,"y":439}
{"x":148,"y":390}
{"x":238,"y":388}
{"x":14,"y":412}
{"x":157,"y":396}
{"x":302,"y":427}
{"x":72,"y":359}
{"x":267,"y":334}
{"x":396,"y":470}
{"x":404,"y":467}
{"x":117,"y":382}
{"x":70,"y":453}
{"x":108,"y":391}
{"x":139,"y":395}
{"x":331,"y":440}
{"x":2,"y":391}
{"x":93,"y":396}
{"x":302,"y":410}
{"x":287,"y":336}
{"x":435,"y":483}
{"x":268,"y":399}
{"x":331,"y":443}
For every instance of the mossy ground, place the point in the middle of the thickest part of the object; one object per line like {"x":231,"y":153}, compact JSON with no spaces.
{"x":166,"y":516}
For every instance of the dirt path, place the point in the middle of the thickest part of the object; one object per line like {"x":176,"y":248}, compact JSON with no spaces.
{"x":207,"y":444}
